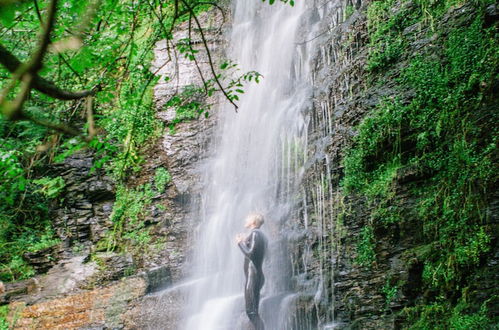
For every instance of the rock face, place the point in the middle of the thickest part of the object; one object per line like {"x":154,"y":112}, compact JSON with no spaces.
{"x":187,"y":145}
{"x":328,"y":225}
{"x":83,"y":218}
{"x":183,"y":150}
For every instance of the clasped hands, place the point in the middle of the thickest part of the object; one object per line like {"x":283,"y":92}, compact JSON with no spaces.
{"x":239,"y":238}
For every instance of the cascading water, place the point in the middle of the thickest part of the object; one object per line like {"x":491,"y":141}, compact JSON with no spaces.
{"x":256,"y":164}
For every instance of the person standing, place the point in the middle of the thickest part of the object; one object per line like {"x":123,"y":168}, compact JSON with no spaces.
{"x":253,"y":247}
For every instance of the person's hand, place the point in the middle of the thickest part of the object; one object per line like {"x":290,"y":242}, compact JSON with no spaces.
{"x":239,"y":238}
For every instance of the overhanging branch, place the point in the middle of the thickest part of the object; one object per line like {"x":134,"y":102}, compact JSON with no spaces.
{"x":12,"y":64}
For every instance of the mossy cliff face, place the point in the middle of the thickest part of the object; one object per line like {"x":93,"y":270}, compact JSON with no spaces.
{"x":400,"y":200}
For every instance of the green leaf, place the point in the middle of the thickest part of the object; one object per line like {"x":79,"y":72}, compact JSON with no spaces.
{"x":7,"y":14}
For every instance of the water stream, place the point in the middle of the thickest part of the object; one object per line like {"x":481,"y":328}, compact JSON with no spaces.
{"x":258,"y":157}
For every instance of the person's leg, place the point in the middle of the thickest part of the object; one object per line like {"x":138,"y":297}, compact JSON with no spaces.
{"x":257,"y":321}
{"x":252,"y":295}
{"x":249,"y":297}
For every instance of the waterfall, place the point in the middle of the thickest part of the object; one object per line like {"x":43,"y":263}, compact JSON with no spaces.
{"x":256,"y":163}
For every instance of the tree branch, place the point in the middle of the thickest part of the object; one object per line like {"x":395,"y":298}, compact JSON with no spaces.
{"x":25,"y":73}
{"x":55,"y":126}
{"x":208,"y":53}
{"x":12,"y":64}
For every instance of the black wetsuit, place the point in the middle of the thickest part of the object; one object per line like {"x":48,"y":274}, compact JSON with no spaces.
{"x":254,"y":247}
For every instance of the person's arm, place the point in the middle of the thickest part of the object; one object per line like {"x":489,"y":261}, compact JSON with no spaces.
{"x":248,"y":245}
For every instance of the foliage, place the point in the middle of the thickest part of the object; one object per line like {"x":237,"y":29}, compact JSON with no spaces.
{"x":23,"y":211}
{"x":129,"y":211}
{"x":161,"y":179}
{"x":50,"y":187}
{"x":11,"y":176}
{"x":4,"y":312}
{"x":188,"y":105}
{"x":349,"y":10}
{"x":391,"y":23}
{"x":440,"y":315}
{"x":366,"y":255}
{"x":291,"y":2}
{"x":16,"y":269}
{"x":389,"y":291}
{"x":46,"y":240}
{"x":191,"y":103}
{"x":385,"y":41}
{"x":444,"y":134}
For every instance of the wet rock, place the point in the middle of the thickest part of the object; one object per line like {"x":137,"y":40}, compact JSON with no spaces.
{"x":44,"y":259}
{"x":158,"y":278}
{"x":67,"y":276}
{"x":350,"y":294}
{"x":88,"y":200}
{"x":113,"y":266}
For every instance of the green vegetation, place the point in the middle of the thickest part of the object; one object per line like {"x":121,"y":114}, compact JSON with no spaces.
{"x":4,"y":311}
{"x":389,"y":291}
{"x":129,"y":232}
{"x":442,"y":315}
{"x":349,"y":10}
{"x":291,"y":2}
{"x":386,"y":43}
{"x":75,"y":76}
{"x":365,"y":247}
{"x":161,"y":179}
{"x":445,"y":134}
{"x":50,"y":187}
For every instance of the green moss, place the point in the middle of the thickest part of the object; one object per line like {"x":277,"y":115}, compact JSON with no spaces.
{"x":442,"y":315}
{"x":161,"y":179}
{"x":129,"y":233}
{"x":366,"y":255}
{"x":444,"y":133}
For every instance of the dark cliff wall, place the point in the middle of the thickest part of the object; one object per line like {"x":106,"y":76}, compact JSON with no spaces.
{"x":399,"y":216}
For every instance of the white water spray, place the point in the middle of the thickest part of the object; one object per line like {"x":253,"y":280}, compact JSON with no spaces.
{"x":256,"y":165}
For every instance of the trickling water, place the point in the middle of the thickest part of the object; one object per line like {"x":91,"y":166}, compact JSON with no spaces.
{"x":256,"y":166}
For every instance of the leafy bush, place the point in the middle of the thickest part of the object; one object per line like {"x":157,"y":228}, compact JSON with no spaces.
{"x":161,"y":179}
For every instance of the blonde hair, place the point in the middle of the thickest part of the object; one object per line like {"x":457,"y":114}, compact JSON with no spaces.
{"x":256,"y":218}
